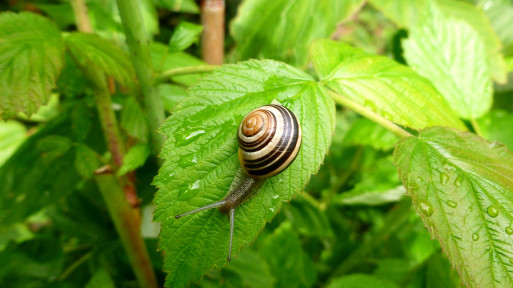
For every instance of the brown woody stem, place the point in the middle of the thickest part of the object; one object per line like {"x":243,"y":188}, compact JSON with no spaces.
{"x":212,"y":39}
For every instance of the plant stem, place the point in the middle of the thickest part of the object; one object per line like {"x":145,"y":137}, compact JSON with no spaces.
{"x":185,"y":70}
{"x":82,"y":18}
{"x":126,"y":217}
{"x":127,"y":223}
{"x":74,"y":266}
{"x":138,"y":43}
{"x":476,"y":127}
{"x":107,"y":118}
{"x":371,"y":115}
{"x":212,"y":39}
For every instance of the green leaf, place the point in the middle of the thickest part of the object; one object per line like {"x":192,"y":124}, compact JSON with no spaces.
{"x":496,"y":126}
{"x":440,"y":274}
{"x":172,"y":95}
{"x":133,"y":119}
{"x":185,"y":35}
{"x":462,"y":186}
{"x":500,"y":13}
{"x":404,"y":13}
{"x":410,"y":14}
{"x":290,"y":265}
{"x":360,"y":281}
{"x":12,"y":134}
{"x":307,"y":217}
{"x":294,"y":25}
{"x":382,"y":85}
{"x":86,"y":160}
{"x":365,"y":132}
{"x":249,"y":269}
{"x":480,"y":24}
{"x":53,"y":146}
{"x":101,"y":279}
{"x":201,"y":161}
{"x":90,"y":49}
{"x":39,"y":173}
{"x":162,"y":60}
{"x":379,"y":185}
{"x":450,"y":53}
{"x":135,"y":157}
{"x":186,"y":6}
{"x":31,"y":57}
{"x":17,"y":232}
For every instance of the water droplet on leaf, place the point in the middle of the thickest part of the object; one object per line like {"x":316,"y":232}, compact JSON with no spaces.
{"x":493,"y":211}
{"x":509,"y":230}
{"x":195,"y":133}
{"x":444,"y":178}
{"x":475,"y":236}
{"x":458,"y":180}
{"x":452,"y":204}
{"x":426,"y":208}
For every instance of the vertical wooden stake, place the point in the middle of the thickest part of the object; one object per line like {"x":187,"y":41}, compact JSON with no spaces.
{"x":212,"y":19}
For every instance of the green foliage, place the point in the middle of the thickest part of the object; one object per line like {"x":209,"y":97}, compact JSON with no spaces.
{"x":365,"y":132}
{"x":493,"y":125}
{"x":452,"y":55}
{"x":381,"y":85}
{"x":184,"y":36}
{"x":64,"y":216}
{"x":360,"y":281}
{"x":462,"y":187}
{"x":201,"y":160}
{"x":294,"y":25}
{"x":91,"y":50}
{"x":31,"y":57}
{"x":135,"y":158}
{"x":12,"y":134}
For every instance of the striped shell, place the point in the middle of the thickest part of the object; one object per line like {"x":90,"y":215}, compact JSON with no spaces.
{"x":269,"y":140}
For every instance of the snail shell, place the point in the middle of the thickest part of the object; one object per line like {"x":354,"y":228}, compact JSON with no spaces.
{"x":269,"y":140}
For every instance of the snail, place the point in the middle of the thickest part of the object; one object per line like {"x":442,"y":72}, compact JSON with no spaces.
{"x":269,"y":140}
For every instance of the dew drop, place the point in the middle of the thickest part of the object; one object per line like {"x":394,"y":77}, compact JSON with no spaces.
{"x":493,"y":211}
{"x":420,"y":180}
{"x":275,"y":196}
{"x":171,"y":174}
{"x":272,"y":210}
{"x":444,"y":178}
{"x":194,"y":160}
{"x":458,"y":180}
{"x":194,"y":185}
{"x":426,"y":208}
{"x":281,"y":180}
{"x":475,"y":236}
{"x":451,"y":204}
{"x":195,"y":133}
{"x":509,"y":230}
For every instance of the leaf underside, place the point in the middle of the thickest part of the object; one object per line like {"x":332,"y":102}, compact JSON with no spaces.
{"x":463,"y":187}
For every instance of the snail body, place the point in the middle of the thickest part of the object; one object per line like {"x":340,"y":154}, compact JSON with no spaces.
{"x":269,"y":140}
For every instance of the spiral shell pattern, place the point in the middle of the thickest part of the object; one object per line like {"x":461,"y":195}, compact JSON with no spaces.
{"x":269,"y":140}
